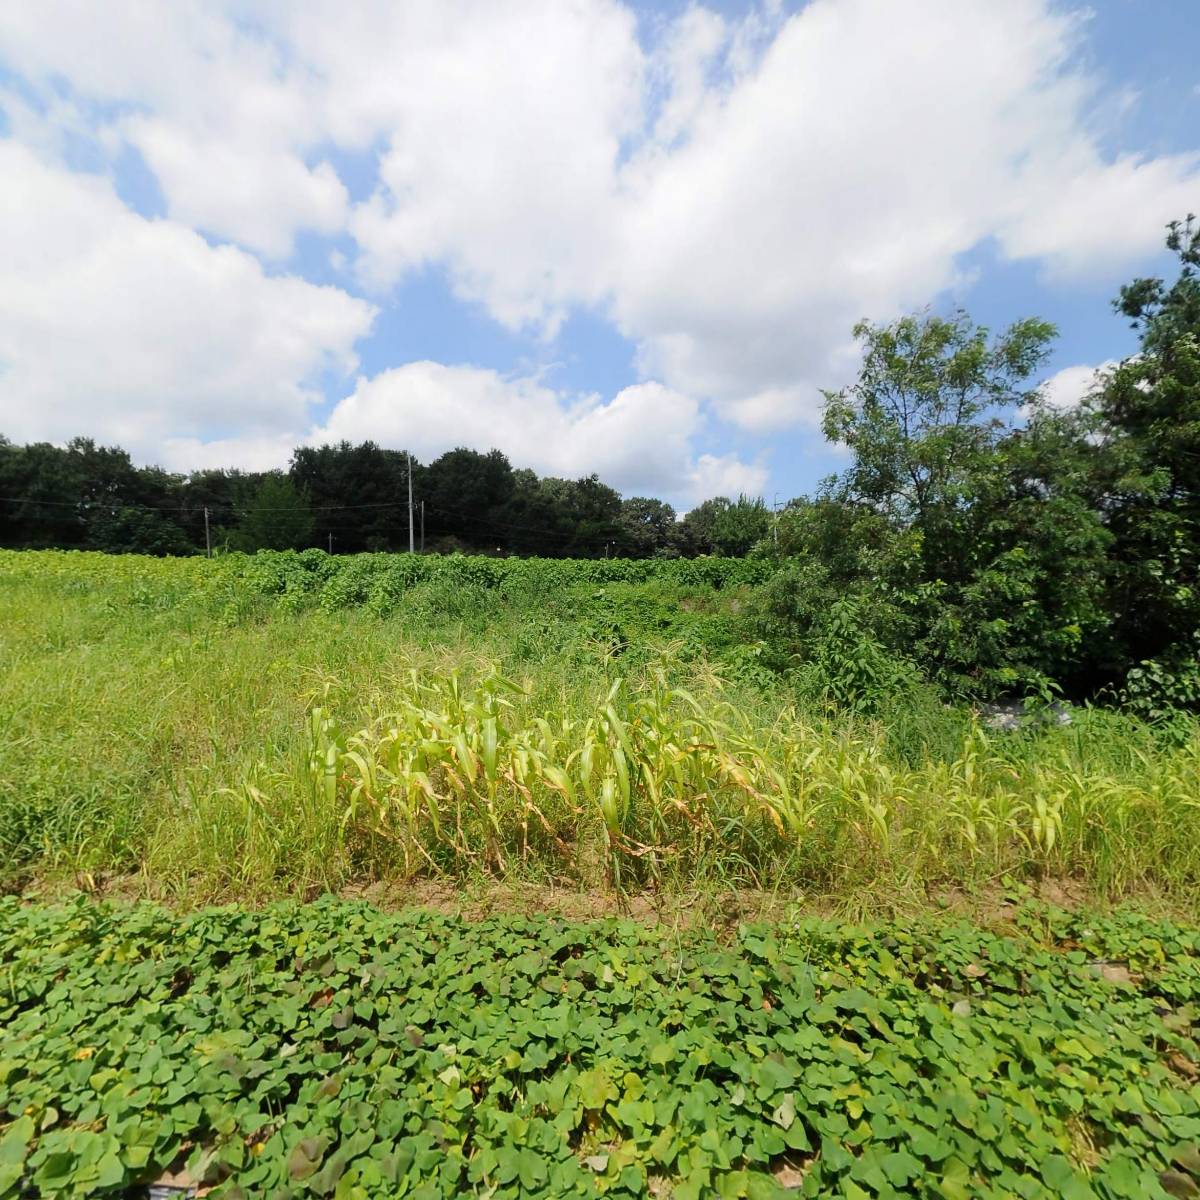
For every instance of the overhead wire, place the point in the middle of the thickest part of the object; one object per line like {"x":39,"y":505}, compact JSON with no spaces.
{"x":195,"y":511}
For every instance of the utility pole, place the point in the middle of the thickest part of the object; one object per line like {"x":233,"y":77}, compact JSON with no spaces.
{"x":775,"y":519}
{"x":207,"y":535}
{"x":422,"y":526}
{"x":410,"y":509}
{"x":331,"y":541}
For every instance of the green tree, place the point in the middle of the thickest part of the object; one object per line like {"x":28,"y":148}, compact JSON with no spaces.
{"x":279,"y":518}
{"x":933,"y":398}
{"x":740,"y":525}
{"x":696,"y":533}
{"x":1146,"y":415}
{"x":136,"y":531}
{"x":224,"y":493}
{"x":358,"y":493}
{"x":466,"y":493}
{"x":646,"y":526}
{"x":43,"y":503}
{"x":976,"y":536}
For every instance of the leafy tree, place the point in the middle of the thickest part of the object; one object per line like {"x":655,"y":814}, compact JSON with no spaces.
{"x":137,"y":531}
{"x":43,"y":504}
{"x":932,"y":400}
{"x":587,"y":511}
{"x":56,"y":493}
{"x":225,"y":493}
{"x":530,"y":520}
{"x":698,"y":530}
{"x":1147,"y":416}
{"x":738,"y":526}
{"x":646,"y":526}
{"x":466,"y":493}
{"x":359,"y":494}
{"x":977,"y":537}
{"x":105,"y":473}
{"x":279,"y":518}
{"x":1027,"y":609}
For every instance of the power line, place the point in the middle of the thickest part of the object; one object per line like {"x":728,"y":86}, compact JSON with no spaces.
{"x":202,"y":512}
{"x":117,"y":502}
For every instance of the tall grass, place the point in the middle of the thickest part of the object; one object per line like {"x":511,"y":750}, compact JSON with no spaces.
{"x":243,"y":748}
{"x":654,"y":783}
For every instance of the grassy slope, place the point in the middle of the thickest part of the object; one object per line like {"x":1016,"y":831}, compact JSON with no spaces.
{"x":157,"y":725}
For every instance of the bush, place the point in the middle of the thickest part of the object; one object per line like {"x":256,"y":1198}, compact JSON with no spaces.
{"x":849,"y":668}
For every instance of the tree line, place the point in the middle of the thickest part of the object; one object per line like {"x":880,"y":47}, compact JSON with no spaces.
{"x":347,"y":498}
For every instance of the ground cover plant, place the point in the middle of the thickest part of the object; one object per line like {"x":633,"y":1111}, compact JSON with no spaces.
{"x":331,"y":1050}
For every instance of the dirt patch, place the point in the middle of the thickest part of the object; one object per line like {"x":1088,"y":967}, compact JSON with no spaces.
{"x":477,"y":900}
{"x":473,"y":900}
{"x":992,"y":906}
{"x":1062,"y":893}
{"x":995,"y":905}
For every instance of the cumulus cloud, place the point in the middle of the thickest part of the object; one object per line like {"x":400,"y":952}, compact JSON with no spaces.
{"x":640,"y":441}
{"x":258,"y":196}
{"x":730,"y":193}
{"x":725,"y":475}
{"x":140,"y":331}
{"x":1066,"y":388}
{"x":506,"y":175}
{"x":869,"y":148}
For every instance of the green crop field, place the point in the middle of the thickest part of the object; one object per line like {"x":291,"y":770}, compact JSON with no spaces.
{"x":276,"y":734}
{"x":330,"y":1050}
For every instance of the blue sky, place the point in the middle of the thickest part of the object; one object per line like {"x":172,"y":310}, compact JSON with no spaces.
{"x":629,"y":239}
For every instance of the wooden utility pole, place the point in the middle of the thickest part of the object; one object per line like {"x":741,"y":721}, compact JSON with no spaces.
{"x":410,"y":508}
{"x":207,"y":535}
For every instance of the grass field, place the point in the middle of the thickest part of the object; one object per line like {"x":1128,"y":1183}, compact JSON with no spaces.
{"x":251,"y":728}
{"x":284,"y":733}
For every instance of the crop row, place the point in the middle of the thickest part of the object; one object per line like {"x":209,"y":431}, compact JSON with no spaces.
{"x":654,"y":783}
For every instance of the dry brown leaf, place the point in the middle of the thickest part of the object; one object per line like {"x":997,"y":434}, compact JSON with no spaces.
{"x":789,"y":1177}
{"x":1181,"y":1065}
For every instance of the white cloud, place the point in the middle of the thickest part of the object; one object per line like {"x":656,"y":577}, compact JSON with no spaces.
{"x":139,"y":331}
{"x":873,"y":144}
{"x":739,"y":193}
{"x":205,"y":93}
{"x":256,"y":195}
{"x":1081,"y":217}
{"x":776,"y":408}
{"x":686,"y":61}
{"x":266,"y":452}
{"x":640,"y":441}
{"x":725,"y":475}
{"x":731,"y":193}
{"x":1066,"y":388}
{"x":501,"y":160}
